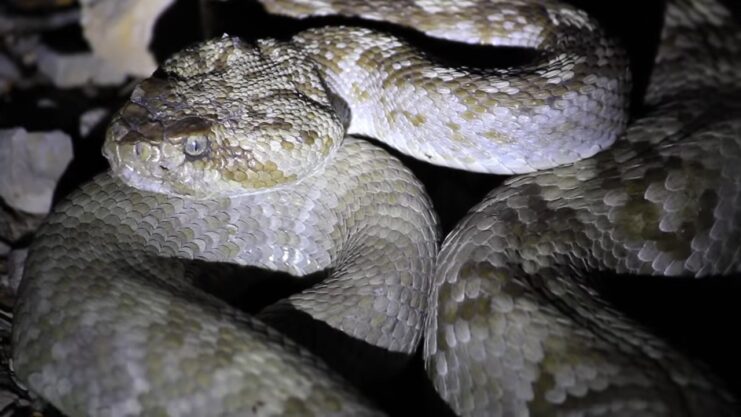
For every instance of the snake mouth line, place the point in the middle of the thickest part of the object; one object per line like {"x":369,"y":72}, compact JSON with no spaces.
{"x":134,"y":179}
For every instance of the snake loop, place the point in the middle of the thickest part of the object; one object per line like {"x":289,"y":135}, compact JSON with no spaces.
{"x":244,"y":155}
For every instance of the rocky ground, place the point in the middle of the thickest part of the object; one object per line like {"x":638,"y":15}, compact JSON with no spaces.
{"x":66,"y":66}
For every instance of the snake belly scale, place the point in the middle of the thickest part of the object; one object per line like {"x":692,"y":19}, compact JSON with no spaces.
{"x":243,"y":154}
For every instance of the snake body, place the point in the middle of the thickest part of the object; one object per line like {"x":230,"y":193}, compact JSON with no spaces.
{"x":153,"y":343}
{"x":234,"y":154}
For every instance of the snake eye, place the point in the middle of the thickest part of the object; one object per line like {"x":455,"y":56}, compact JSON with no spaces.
{"x":196,"y":145}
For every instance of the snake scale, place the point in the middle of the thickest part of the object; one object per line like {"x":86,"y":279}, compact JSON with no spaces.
{"x":237,"y":154}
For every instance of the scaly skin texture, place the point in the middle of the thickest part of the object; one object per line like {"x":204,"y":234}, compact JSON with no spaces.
{"x":568,"y":104}
{"x":234,"y":153}
{"x":109,"y":322}
{"x":515,"y":327}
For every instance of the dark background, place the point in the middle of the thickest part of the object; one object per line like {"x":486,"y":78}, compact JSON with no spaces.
{"x":698,"y":317}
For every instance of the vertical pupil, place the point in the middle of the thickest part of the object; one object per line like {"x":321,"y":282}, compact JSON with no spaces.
{"x":195,"y":146}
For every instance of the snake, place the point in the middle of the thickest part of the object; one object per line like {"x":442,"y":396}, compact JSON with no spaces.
{"x":254,"y":154}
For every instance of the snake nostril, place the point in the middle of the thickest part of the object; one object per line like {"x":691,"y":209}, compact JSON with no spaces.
{"x":138,"y":149}
{"x":164,"y":168}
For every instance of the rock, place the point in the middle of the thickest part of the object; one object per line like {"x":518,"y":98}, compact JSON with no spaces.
{"x":90,"y":119}
{"x":25,"y":23}
{"x":16,"y":225}
{"x":24,"y":48}
{"x":34,"y":5}
{"x":9,"y":74}
{"x":12,"y":396}
{"x":119,"y":32}
{"x":11,"y":272}
{"x":30,"y":166}
{"x":16,"y":264}
{"x":7,"y":398}
{"x":78,"y":69}
{"x":4,"y":271}
{"x":44,"y":102}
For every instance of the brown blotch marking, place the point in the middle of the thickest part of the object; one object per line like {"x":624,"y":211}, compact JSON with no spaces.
{"x":328,"y":399}
{"x":187,"y":126}
{"x":370,"y":58}
{"x":469,"y":307}
{"x":296,"y":407}
{"x":359,"y":92}
{"x":153,"y":409}
{"x":556,"y":90}
{"x":309,"y":89}
{"x":400,"y":77}
{"x":469,"y":115}
{"x":328,"y":43}
{"x":132,"y":137}
{"x":492,"y":280}
{"x":276,"y":124}
{"x":497,"y":137}
{"x":150,"y":88}
{"x":200,"y":164}
{"x":294,"y":7}
{"x":332,"y":65}
{"x":309,"y":136}
{"x":640,"y":218}
{"x":136,"y":118}
{"x":257,"y":406}
{"x":287,"y":145}
{"x":456,"y":135}
{"x":416,"y":120}
{"x":542,"y":385}
{"x":487,"y":33}
{"x":469,"y":100}
{"x":326,"y":146}
{"x":557,"y":352}
{"x":134,"y":114}
{"x":270,"y":166}
{"x":238,"y":176}
{"x":167,"y":338}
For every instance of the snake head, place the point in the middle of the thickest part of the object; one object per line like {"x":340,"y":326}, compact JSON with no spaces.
{"x":224,"y":118}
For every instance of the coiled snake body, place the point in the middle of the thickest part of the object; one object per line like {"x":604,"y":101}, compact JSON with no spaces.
{"x":235,"y":154}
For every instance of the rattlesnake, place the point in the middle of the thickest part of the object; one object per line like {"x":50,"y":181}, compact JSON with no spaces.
{"x":226,"y":170}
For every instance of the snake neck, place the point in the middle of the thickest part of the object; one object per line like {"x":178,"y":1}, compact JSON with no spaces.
{"x":515,"y":279}
{"x":567,"y":104}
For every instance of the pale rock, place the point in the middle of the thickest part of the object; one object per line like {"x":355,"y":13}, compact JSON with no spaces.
{"x":30,"y":166}
{"x":77,"y":69}
{"x":46,"y":103}
{"x":25,"y":23}
{"x":119,"y":32}
{"x":90,"y":119}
